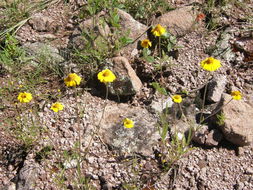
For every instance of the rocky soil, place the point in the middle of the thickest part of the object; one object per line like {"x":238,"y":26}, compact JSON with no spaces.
{"x":119,"y":158}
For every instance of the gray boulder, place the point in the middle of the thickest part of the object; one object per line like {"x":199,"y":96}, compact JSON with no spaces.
{"x":139,"y":139}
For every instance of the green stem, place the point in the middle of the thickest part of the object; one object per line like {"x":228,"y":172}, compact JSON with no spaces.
{"x":203,"y":103}
{"x":159,"y":47}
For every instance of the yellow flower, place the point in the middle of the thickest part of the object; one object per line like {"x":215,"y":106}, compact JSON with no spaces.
{"x":72,"y":80}
{"x":146,"y":43}
{"x":128,"y":123}
{"x":210,"y":64}
{"x":25,"y":97}
{"x":236,"y":95}
{"x":106,"y":76}
{"x":158,"y":30}
{"x":177,"y":98}
{"x":57,"y":106}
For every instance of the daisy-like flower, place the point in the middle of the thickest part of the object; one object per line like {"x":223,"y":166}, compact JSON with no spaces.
{"x":177,"y":98}
{"x":72,"y":80}
{"x":128,"y":123}
{"x":106,"y":76}
{"x":146,"y":43}
{"x":57,"y":106}
{"x":236,"y":95}
{"x":158,"y":30}
{"x":210,"y":64}
{"x":24,"y":97}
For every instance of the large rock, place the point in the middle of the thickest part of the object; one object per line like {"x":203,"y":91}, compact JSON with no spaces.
{"x":139,"y":139}
{"x":134,"y":28}
{"x":237,"y":122}
{"x":179,"y":21}
{"x":96,"y":25}
{"x":128,"y":26}
{"x":127,"y":83}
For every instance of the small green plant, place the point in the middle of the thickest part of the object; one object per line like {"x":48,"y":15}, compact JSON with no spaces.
{"x":100,"y":47}
{"x":144,"y":10}
{"x":12,"y":56}
{"x":221,"y":118}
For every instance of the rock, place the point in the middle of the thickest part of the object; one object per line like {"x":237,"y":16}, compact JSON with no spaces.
{"x":141,"y":138}
{"x":200,"y":135}
{"x":249,"y":171}
{"x":208,"y":138}
{"x":222,"y":49}
{"x":237,"y":125}
{"x":213,"y":138}
{"x":161,"y":104}
{"x":134,"y":28}
{"x":128,"y":26}
{"x":179,"y":21}
{"x":96,"y":25}
{"x":27,"y":175}
{"x":215,"y":88}
{"x":127,"y":83}
{"x":42,"y":23}
{"x":99,"y":25}
{"x":10,"y":186}
{"x":43,"y":51}
{"x":245,"y":45}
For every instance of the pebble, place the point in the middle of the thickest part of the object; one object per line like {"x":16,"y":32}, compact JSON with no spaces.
{"x":249,"y":171}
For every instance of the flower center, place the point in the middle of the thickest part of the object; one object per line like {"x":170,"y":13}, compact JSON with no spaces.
{"x":106,"y":74}
{"x":236,"y":93}
{"x":177,"y":97}
{"x":209,"y":61}
{"x":23,"y":96}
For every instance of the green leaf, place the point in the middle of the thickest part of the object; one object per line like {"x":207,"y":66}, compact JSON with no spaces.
{"x":149,"y":59}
